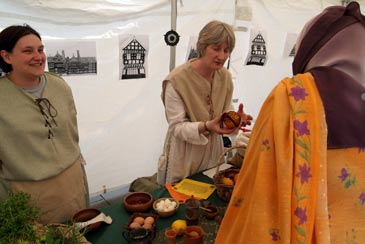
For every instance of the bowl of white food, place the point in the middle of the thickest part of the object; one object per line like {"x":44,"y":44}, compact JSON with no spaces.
{"x":165,"y":206}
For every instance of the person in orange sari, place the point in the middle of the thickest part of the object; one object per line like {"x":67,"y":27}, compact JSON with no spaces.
{"x":303,"y":175}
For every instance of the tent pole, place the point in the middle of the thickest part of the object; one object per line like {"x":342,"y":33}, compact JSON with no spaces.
{"x":173,"y":27}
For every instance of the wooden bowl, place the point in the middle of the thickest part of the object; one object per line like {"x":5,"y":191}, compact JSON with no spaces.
{"x":211,"y":212}
{"x":87,"y":214}
{"x":138,"y":201}
{"x":163,"y":212}
{"x":193,"y":234}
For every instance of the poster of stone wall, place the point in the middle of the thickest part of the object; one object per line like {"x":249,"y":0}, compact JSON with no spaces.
{"x":71,"y":57}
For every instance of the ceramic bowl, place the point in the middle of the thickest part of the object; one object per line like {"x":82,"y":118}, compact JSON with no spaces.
{"x":161,"y":206}
{"x":138,"y":201}
{"x":193,"y":234}
{"x":210,"y":212}
{"x":87,"y":214}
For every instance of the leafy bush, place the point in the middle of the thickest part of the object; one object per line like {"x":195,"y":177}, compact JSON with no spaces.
{"x":18,"y":224}
{"x":17,"y":218}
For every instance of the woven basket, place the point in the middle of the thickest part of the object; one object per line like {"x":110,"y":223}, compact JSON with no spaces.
{"x":134,"y":235}
{"x":224,"y":191}
{"x":143,"y":215}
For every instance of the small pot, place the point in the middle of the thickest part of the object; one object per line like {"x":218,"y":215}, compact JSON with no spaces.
{"x":211,"y":212}
{"x":170,"y":236}
{"x":193,"y":235}
{"x":192,"y":211}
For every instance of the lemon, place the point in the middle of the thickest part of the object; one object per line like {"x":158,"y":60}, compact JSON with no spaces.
{"x":178,"y":226}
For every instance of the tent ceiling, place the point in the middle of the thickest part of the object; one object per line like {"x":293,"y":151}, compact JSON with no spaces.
{"x":79,"y":12}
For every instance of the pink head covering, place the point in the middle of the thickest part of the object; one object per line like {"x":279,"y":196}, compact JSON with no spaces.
{"x":331,"y":47}
{"x":345,"y":51}
{"x":344,"y":46}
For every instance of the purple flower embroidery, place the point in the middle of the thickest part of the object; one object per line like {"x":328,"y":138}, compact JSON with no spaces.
{"x":298,"y":93}
{"x":265,"y":145}
{"x":274,"y":235}
{"x":265,"y":142}
{"x":362,"y":198}
{"x":304,"y":173}
{"x":301,"y":127}
{"x":301,"y":214}
{"x":344,"y":175}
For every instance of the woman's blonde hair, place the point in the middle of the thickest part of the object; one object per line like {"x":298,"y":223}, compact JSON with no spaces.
{"x":215,"y":32}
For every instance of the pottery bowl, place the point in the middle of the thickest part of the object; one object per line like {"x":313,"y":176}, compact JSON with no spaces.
{"x":193,"y":234}
{"x":165,"y":206}
{"x":138,"y":201}
{"x":210,"y":212}
{"x":85,"y":215}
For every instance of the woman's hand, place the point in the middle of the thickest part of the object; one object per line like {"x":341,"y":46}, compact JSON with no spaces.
{"x":216,"y":125}
{"x":246,"y":119}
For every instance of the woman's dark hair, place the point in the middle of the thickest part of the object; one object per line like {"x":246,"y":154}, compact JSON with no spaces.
{"x":9,"y":37}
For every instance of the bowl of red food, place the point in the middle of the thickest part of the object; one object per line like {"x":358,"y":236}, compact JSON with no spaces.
{"x":138,"y":201}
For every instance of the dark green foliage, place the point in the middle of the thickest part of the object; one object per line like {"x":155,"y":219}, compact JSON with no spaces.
{"x":17,"y":218}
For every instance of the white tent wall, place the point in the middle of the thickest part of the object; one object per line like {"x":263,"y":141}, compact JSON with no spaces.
{"x":121,"y":122}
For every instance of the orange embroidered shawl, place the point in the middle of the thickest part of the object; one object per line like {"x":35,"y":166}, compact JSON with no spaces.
{"x":291,"y":189}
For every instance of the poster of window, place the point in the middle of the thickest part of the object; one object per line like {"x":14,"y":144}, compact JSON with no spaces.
{"x":133,"y":56}
{"x":289,"y":47}
{"x":192,"y":51}
{"x":71,"y":57}
{"x":257,"y":54}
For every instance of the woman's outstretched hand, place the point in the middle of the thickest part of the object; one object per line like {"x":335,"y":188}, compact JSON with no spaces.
{"x":246,"y":119}
{"x":216,"y":125}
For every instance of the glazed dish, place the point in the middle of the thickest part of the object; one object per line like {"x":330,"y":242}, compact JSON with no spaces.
{"x":138,"y":201}
{"x":87,"y":214}
{"x":165,"y":206}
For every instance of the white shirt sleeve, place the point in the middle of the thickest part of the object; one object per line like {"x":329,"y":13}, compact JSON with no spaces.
{"x":178,"y":122}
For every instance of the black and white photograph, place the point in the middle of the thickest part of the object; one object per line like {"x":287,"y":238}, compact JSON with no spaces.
{"x":257,"y":54}
{"x":133,"y":53}
{"x":67,"y":57}
{"x":289,"y":47}
{"x":192,"y":51}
